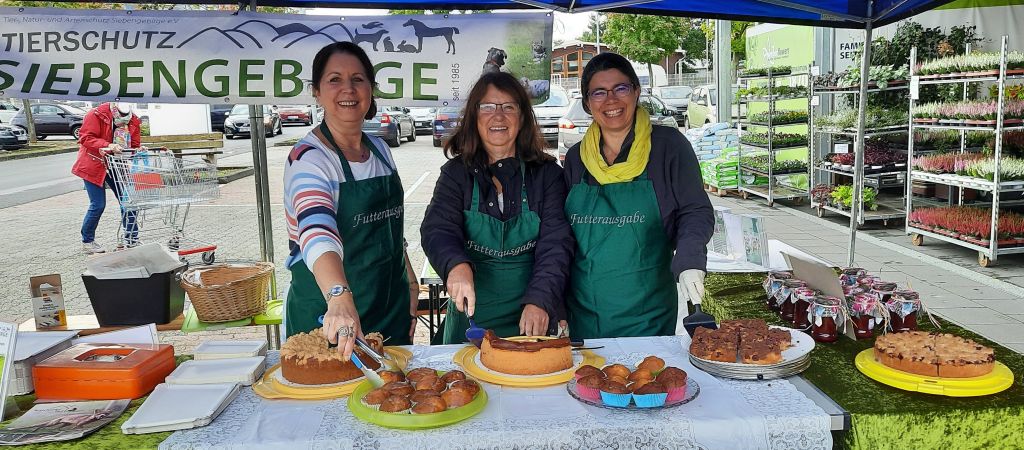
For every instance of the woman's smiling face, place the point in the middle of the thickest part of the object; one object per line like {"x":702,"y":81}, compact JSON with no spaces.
{"x":345,"y":90}
{"x":613,"y":112}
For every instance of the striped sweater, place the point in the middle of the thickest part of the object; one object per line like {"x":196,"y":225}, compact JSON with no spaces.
{"x":312,"y":177}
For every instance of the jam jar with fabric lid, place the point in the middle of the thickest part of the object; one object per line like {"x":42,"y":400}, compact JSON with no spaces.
{"x":903,"y":307}
{"x":849,"y":275}
{"x":883,"y":290}
{"x":825,"y":314}
{"x":804,"y":298}
{"x":867,"y":281}
{"x":863,"y":310}
{"x":787,"y":297}
{"x":772,"y":286}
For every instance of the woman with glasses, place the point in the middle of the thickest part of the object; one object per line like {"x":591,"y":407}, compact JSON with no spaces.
{"x":495,"y":228}
{"x":638,"y":211}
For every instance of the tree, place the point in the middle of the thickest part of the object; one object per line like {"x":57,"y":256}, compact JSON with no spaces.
{"x":737,"y":37}
{"x":646,"y":39}
{"x":592,"y":27}
{"x":693,"y":41}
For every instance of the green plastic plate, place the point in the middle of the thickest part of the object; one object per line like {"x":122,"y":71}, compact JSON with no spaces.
{"x":412,"y":421}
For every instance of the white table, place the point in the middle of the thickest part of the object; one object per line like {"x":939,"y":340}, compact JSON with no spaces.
{"x":727,"y":414}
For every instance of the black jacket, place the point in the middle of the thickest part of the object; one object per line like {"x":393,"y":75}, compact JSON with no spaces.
{"x":686,"y":212}
{"x":443,"y":236}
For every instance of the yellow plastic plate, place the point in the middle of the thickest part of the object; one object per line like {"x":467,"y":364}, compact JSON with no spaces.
{"x":271,"y":388}
{"x":998,"y":380}
{"x":412,"y":421}
{"x":467,"y":359}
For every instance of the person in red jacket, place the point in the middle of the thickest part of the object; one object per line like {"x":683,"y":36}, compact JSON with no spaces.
{"x":107,"y":128}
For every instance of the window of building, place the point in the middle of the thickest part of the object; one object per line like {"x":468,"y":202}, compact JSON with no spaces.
{"x":587,"y":56}
{"x":573,"y":57}
{"x":556,"y":65}
{"x":574,"y":66}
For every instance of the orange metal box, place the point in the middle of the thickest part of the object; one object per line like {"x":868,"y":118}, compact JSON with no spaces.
{"x":103,"y":371}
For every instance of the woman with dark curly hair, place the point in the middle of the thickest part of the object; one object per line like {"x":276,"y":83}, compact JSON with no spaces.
{"x":495,"y":228}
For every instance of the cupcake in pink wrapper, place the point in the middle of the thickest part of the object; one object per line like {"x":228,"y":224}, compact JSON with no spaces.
{"x":587,"y":370}
{"x":674,"y":381}
{"x":589,"y":387}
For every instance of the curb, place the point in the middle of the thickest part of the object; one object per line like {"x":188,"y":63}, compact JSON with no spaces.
{"x":981,"y":278}
{"x":237,"y":175}
{"x":16,"y":154}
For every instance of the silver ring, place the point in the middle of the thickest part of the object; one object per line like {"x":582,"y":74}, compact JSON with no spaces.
{"x":346,"y":331}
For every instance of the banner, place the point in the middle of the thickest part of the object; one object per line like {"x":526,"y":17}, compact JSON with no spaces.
{"x":217,"y":57}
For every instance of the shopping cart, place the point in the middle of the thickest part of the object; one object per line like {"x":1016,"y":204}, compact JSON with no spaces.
{"x":155,"y":188}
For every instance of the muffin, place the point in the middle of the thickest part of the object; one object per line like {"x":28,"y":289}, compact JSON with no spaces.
{"x":433,"y":384}
{"x":389,"y":376}
{"x":453,"y":376}
{"x":640,"y":374}
{"x":652,"y":364}
{"x":430,"y":405}
{"x":671,"y":372}
{"x":639,"y":384}
{"x":676,"y":388}
{"x":399,"y":388}
{"x":395,"y":403}
{"x":455,"y":398}
{"x":420,"y":373}
{"x":589,"y":387}
{"x":650,"y":395}
{"x":618,"y":379}
{"x":588,"y":370}
{"x":615,"y":394}
{"x":376,"y":396}
{"x":618,"y":370}
{"x":418,"y":396}
{"x":468,"y":385}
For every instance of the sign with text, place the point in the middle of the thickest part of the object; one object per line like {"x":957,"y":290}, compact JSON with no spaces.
{"x":207,"y":57}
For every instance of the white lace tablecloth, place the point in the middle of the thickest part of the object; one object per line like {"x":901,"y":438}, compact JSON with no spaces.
{"x":727,"y":414}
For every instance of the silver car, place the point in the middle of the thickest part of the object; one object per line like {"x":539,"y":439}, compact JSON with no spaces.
{"x":424,"y":118}
{"x":573,"y":125}
{"x":392,"y":123}
{"x":548,"y":113}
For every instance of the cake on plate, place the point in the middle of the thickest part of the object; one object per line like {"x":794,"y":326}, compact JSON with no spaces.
{"x":934,"y":354}
{"x":748,"y":341}
{"x":306,"y":358}
{"x":525,"y":357}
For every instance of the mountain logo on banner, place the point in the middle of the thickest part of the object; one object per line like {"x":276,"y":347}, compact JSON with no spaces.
{"x":254,"y":33}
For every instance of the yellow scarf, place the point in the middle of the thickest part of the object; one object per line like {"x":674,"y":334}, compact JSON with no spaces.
{"x":636,"y":162}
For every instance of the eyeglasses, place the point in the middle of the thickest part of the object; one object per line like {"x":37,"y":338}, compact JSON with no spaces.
{"x":505,"y":108}
{"x":620,"y":91}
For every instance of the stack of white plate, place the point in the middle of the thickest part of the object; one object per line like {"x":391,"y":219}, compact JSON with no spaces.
{"x":795,"y":359}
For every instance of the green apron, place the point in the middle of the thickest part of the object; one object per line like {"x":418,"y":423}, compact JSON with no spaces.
{"x":621,"y":280}
{"x":370,"y":222}
{"x":502,"y":256}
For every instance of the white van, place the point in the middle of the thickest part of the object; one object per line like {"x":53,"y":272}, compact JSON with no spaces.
{"x":660,"y":79}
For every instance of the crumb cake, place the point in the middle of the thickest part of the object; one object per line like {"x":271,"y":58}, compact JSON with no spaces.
{"x":934,"y":354}
{"x":748,"y":341}
{"x":306,"y":358}
{"x":537,"y":357}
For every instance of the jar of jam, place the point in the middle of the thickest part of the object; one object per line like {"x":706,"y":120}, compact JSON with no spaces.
{"x":849,"y":275}
{"x":772,"y":286}
{"x":883,"y":290}
{"x":804,"y":298}
{"x":825,"y":314}
{"x":787,"y":297}
{"x":863,"y":310}
{"x":867,"y":281}
{"x":903,"y":307}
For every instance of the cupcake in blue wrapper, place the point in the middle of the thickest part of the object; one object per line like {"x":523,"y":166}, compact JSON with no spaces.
{"x":650,"y":395}
{"x":615,"y":394}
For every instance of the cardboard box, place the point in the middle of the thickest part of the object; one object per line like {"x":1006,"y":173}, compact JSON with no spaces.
{"x":48,"y":301}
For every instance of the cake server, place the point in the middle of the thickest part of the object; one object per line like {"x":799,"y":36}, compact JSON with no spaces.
{"x":698,"y":319}
{"x":474,"y":333}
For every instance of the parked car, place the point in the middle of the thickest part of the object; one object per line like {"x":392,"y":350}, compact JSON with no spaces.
{"x":701,"y":109}
{"x":52,"y":119}
{"x":295,"y":114}
{"x":7,"y":111}
{"x":391,"y":123}
{"x":678,"y":97}
{"x":573,"y":125}
{"x":548,"y":113}
{"x":12,"y":138}
{"x":446,"y":121}
{"x":424,"y":118}
{"x":237,"y":122}
{"x":218,"y":113}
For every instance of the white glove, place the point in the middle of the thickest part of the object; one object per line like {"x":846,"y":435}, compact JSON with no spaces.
{"x":691,"y":290}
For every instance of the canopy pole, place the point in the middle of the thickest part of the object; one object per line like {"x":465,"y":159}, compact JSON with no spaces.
{"x":723,"y":71}
{"x":258,"y":139}
{"x":856,"y":205}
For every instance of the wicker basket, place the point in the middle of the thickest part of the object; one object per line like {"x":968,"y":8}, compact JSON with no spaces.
{"x":228,"y":292}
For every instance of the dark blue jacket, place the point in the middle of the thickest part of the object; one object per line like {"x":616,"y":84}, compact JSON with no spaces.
{"x":443,"y":235}
{"x":686,"y":211}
